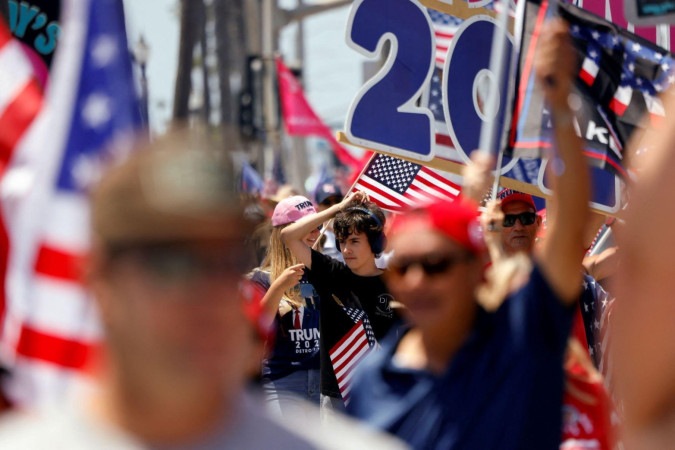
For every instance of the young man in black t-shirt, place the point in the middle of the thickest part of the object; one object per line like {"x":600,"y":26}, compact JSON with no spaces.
{"x":355,"y":304}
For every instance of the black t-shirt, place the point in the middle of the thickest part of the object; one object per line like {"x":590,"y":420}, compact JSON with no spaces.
{"x":341,"y":291}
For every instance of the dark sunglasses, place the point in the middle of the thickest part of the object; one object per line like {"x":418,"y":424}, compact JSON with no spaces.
{"x":525,"y":218}
{"x":180,"y":263}
{"x":430,"y":265}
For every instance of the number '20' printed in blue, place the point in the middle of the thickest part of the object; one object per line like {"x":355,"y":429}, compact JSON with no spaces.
{"x":383,"y":115}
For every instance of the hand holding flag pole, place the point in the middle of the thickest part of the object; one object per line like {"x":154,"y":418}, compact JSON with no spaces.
{"x":349,"y":191}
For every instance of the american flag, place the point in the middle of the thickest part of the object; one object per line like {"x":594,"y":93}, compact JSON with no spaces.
{"x":20,"y":103}
{"x":20,"y":96}
{"x":619,"y":78}
{"x":250,"y":180}
{"x":603,"y":356}
{"x":396,"y":185}
{"x":351,"y":349}
{"x":593,"y":302}
{"x":50,"y":327}
{"x":445,"y":27}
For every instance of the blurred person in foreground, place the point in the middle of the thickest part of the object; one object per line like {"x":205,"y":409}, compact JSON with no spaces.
{"x":587,"y":407}
{"x":462,"y":376}
{"x":166,"y":259}
{"x":643,"y":335}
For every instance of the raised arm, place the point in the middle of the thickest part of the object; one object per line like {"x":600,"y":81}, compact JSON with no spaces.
{"x":293,"y":235}
{"x":288,"y":278}
{"x":561,"y":253}
{"x":491,"y":222}
{"x":477,"y":177}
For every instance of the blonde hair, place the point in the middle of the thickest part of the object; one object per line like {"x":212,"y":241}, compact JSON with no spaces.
{"x":278,"y":259}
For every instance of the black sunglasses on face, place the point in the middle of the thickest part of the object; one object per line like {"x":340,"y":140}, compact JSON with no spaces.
{"x":430,"y":265}
{"x":180,"y":263}
{"x":525,"y":218}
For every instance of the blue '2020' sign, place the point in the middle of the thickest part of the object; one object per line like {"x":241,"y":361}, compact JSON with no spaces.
{"x":385,"y":114}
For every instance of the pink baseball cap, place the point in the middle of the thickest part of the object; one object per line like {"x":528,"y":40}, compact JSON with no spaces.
{"x":292,"y":209}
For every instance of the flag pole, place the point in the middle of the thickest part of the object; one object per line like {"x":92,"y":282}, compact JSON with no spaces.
{"x":330,"y":222}
{"x":489,"y":139}
{"x":602,"y":241}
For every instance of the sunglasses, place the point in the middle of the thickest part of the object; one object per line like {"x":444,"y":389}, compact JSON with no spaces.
{"x":525,"y":218}
{"x":430,"y":265}
{"x":177,"y":263}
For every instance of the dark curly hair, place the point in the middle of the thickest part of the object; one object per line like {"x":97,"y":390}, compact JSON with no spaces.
{"x":365,"y":218}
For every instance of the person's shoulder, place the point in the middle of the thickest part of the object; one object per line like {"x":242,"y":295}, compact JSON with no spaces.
{"x":375,"y":282}
{"x":259,"y":276}
{"x":306,"y":429}
{"x":341,"y":432}
{"x":326,"y":264}
{"x":59,"y":428}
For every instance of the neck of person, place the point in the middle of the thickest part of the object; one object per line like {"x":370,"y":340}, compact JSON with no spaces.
{"x":433,"y":350}
{"x":160,"y":411}
{"x":368,"y":270}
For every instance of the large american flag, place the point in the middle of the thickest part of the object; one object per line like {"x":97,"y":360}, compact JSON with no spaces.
{"x":20,"y":96}
{"x":351,"y":349}
{"x":396,"y":185}
{"x":619,"y":78}
{"x":50,"y":326}
{"x":20,"y":103}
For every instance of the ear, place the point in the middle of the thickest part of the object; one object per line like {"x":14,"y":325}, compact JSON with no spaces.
{"x":382,"y":244}
{"x":96,"y":279}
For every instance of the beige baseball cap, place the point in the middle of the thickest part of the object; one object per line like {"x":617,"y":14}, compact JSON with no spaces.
{"x":179,"y":187}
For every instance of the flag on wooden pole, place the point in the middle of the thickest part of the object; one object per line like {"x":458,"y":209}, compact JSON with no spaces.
{"x":396,"y":185}
{"x":50,"y":325}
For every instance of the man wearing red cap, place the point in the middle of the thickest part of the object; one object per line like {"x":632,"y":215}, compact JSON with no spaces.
{"x":463,"y":376}
{"x":521,"y":222}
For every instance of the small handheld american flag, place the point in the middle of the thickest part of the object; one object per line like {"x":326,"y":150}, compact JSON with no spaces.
{"x":351,"y":349}
{"x":395,"y":184}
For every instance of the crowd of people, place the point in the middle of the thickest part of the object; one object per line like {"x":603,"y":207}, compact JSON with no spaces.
{"x":326,"y":323}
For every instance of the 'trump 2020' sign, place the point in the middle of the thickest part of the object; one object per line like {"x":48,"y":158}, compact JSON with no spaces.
{"x":392,"y":112}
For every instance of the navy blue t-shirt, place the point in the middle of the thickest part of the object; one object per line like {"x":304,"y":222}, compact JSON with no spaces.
{"x":502,"y":390}
{"x":293,"y":349}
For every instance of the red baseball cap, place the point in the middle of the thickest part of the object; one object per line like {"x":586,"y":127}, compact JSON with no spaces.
{"x":511,"y":195}
{"x":458,"y":220}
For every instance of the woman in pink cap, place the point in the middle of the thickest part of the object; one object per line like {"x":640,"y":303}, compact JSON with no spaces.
{"x":290,"y":370}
